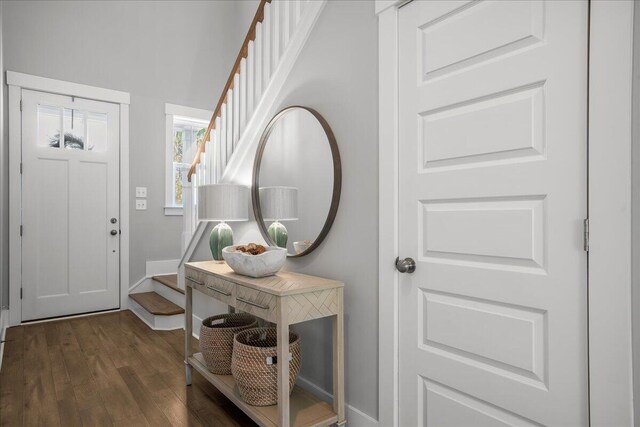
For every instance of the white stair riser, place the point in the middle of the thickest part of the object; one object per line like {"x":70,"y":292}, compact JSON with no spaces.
{"x":175,"y":297}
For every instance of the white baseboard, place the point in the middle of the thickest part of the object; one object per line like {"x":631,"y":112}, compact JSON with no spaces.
{"x":157,"y":268}
{"x":355,"y":417}
{"x":4,"y":324}
{"x":143,"y":284}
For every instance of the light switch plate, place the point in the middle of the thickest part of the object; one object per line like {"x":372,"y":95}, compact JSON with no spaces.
{"x":141,"y":191}
{"x":141,"y":205}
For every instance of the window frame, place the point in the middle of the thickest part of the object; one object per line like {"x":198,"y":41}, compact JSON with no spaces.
{"x":172,"y":111}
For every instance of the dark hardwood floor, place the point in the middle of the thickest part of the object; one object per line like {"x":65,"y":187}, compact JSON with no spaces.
{"x":104,"y":370}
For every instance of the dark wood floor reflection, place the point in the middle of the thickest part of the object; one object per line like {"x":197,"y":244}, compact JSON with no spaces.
{"x":104,"y":370}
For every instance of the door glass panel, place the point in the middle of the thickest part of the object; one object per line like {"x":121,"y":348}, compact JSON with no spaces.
{"x":48,"y":126}
{"x":96,"y":131}
{"x":74,"y":127}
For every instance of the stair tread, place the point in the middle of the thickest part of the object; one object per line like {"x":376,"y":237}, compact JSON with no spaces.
{"x":170,"y":281}
{"x":156,"y":304}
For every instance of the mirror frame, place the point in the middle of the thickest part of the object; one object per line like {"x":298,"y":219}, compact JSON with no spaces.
{"x":337,"y":178}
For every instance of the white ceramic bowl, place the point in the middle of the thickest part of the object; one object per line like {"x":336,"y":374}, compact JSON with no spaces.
{"x":267,"y":263}
{"x":301,"y":246}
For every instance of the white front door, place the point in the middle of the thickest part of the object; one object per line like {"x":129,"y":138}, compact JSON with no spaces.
{"x":493,"y":180}
{"x":70,"y":205}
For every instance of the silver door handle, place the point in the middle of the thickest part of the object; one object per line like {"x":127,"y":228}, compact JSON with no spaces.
{"x":226,"y":294}
{"x":255,"y":304}
{"x":114,"y":232}
{"x":194,"y":281}
{"x":407,"y":265}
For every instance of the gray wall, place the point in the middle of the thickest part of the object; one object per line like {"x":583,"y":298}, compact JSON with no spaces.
{"x":635,"y":214}
{"x":336,"y":74}
{"x":179,"y":52}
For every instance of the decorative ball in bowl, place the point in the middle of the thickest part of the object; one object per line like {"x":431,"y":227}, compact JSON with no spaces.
{"x":255,"y":260}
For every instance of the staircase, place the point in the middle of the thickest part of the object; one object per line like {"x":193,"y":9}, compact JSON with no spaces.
{"x":275,"y":38}
{"x":162,"y":307}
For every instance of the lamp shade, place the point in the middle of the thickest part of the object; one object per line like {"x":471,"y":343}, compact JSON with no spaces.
{"x":279,"y":203}
{"x":223,"y":202}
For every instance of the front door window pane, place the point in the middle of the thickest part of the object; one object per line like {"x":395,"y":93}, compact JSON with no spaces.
{"x":74,"y":129}
{"x":48,"y":126}
{"x":96,"y":131}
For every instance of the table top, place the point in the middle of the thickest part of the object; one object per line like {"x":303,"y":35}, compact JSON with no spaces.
{"x":282,"y":284}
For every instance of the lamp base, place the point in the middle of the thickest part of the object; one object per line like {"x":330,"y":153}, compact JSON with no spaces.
{"x":221,"y":237}
{"x":278,"y":234}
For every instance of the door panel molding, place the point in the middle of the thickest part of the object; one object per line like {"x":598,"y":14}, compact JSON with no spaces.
{"x":609,"y":308}
{"x":16,"y":83}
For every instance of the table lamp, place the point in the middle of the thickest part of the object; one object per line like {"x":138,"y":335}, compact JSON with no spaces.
{"x":224,"y":203}
{"x":279,"y":204}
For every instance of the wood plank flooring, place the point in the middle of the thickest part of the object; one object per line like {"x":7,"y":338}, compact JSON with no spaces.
{"x":105,"y":370}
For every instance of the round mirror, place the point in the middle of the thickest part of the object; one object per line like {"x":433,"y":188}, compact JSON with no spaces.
{"x":297,"y":178}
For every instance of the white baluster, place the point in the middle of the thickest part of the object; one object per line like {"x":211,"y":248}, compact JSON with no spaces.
{"x":210,"y":159}
{"x":285,"y":24}
{"x":242,"y":102}
{"x":218,"y":149}
{"x":187,"y":207}
{"x":257,"y":63}
{"x":236,"y":112}
{"x":223,"y":137}
{"x":202,"y":167}
{"x":230,"y":119}
{"x":276,"y":34}
{"x":303,"y":6}
{"x":266,"y":47}
{"x":297,"y":12}
{"x":251,"y":57}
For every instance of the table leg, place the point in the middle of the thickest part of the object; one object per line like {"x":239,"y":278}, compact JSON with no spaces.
{"x":283,"y":369}
{"x":188,"y":332}
{"x":338,"y":361}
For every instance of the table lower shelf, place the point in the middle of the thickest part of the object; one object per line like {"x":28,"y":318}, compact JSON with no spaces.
{"x":306,"y":410}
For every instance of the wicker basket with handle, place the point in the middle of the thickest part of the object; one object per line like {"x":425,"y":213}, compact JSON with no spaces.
{"x":255,"y":368}
{"x":216,"y":339}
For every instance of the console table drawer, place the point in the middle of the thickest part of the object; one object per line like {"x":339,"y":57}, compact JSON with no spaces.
{"x":211,"y":285}
{"x":260,"y":304}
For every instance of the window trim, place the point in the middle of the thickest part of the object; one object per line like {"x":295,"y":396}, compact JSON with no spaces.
{"x":172,"y":111}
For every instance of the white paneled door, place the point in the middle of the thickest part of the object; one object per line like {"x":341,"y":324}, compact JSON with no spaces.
{"x":493,"y":180}
{"x":70,"y":205}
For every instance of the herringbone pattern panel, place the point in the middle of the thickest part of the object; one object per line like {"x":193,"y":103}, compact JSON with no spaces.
{"x":312,"y":305}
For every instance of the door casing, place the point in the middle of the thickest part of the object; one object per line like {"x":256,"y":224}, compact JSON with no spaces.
{"x":17,"y":82}
{"x":610,"y":119}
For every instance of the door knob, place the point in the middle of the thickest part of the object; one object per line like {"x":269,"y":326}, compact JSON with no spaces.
{"x":114,"y":232}
{"x":407,"y":265}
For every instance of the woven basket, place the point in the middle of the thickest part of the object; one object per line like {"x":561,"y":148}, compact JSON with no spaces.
{"x":216,"y":339}
{"x":256,"y":379}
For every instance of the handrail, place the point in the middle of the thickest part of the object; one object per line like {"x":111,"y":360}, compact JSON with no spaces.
{"x":244,"y":50}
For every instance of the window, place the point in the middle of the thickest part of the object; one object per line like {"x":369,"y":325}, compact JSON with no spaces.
{"x":185,"y":130}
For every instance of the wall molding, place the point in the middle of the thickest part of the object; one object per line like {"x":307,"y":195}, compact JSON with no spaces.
{"x":44,"y":84}
{"x":610,"y":199}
